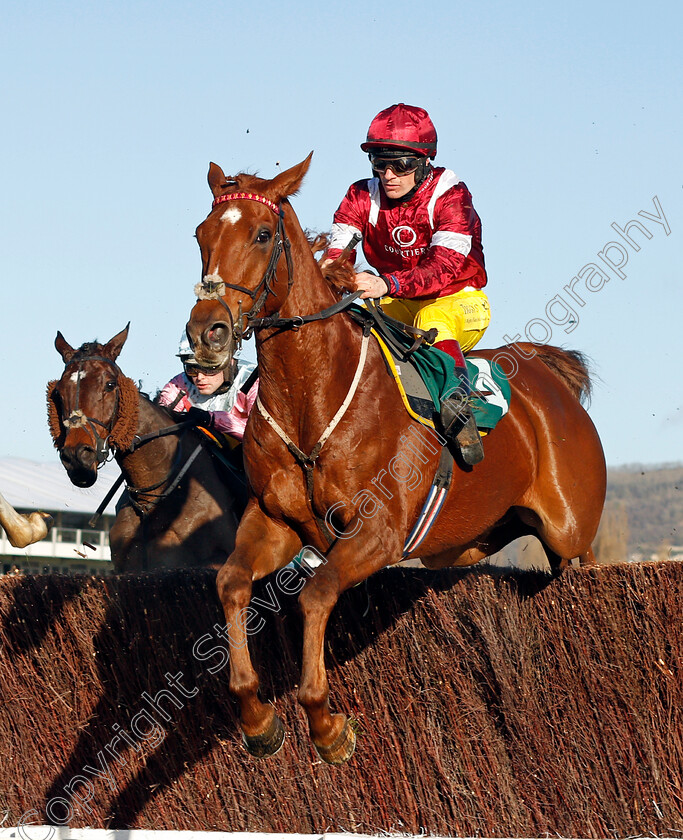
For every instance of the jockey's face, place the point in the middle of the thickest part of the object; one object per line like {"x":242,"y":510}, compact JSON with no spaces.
{"x":206,"y":383}
{"x":396,"y":186}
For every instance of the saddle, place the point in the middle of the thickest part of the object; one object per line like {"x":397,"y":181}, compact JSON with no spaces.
{"x":425,"y":375}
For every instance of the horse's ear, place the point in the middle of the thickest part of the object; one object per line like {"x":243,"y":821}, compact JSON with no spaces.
{"x":114,"y":346}
{"x":217,"y":180}
{"x":64,"y":349}
{"x":289,"y":181}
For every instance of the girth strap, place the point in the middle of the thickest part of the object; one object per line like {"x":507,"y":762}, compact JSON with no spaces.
{"x":433,"y":503}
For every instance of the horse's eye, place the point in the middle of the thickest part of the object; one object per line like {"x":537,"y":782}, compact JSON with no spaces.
{"x":263,"y":236}
{"x":110,"y":385}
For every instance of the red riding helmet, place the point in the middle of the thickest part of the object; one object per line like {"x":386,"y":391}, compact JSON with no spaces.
{"x":402,"y":127}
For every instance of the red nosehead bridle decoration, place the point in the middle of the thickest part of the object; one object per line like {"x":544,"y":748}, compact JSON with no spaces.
{"x":251,"y":197}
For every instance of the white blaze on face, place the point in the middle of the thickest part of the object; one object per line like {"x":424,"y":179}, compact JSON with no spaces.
{"x":232,"y":215}
{"x":77,"y":374}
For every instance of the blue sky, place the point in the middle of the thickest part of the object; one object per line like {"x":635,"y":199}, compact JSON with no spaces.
{"x":561,"y":120}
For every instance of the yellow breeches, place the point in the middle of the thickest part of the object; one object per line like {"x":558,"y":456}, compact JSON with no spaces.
{"x":463,"y":316}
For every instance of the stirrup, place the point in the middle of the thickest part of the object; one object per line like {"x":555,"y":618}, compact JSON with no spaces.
{"x":469,"y":441}
{"x":460,"y":427}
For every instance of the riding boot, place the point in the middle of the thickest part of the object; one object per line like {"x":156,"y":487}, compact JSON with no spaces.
{"x":456,"y":413}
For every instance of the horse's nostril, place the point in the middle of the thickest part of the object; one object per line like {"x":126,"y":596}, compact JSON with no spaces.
{"x":84,"y":456}
{"x":81,"y":465}
{"x":217,"y":336}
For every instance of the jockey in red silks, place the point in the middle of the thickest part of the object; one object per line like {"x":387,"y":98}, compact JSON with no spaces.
{"x":421,"y":233}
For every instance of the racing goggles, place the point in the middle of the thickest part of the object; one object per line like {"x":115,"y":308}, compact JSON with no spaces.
{"x":398,"y":165}
{"x":194,"y":370}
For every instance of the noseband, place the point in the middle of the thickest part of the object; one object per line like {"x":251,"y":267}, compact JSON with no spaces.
{"x":78,"y":419}
{"x":213,"y":287}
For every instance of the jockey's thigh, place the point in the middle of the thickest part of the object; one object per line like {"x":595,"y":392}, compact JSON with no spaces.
{"x":402,"y":310}
{"x":463,"y":316}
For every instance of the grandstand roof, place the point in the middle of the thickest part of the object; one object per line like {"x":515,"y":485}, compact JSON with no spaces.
{"x":29,"y":485}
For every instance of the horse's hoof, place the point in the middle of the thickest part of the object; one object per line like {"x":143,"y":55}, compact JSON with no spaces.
{"x":341,"y":749}
{"x":268,"y":742}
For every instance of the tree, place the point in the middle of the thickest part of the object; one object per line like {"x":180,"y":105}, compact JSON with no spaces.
{"x":611,"y":543}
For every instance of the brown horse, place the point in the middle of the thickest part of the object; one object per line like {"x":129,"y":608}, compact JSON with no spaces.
{"x":179,"y":511}
{"x":330,"y":448}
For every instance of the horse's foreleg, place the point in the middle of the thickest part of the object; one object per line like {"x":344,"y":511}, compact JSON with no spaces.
{"x":348,"y":563}
{"x":126,"y":541}
{"x":262,"y":730}
{"x":262,"y":546}
{"x":23,"y":529}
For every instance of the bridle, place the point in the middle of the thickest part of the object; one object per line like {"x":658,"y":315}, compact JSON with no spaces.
{"x":142,"y":499}
{"x":78,"y":419}
{"x":214,"y":289}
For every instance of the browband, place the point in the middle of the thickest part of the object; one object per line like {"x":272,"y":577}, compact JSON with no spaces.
{"x":251,"y":196}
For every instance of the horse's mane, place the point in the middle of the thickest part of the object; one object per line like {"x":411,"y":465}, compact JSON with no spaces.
{"x":339,"y":274}
{"x":571,"y":366}
{"x":88,"y":348}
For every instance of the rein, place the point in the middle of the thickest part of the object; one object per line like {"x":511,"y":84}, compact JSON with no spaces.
{"x":144,"y":506}
{"x":296,"y":321}
{"x":141,"y":440}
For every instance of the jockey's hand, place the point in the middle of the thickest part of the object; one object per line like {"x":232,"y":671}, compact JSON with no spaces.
{"x":200,"y":417}
{"x":371,"y":285}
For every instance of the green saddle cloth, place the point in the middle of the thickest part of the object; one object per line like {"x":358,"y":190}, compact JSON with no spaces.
{"x":490,"y":397}
{"x":490,"y":389}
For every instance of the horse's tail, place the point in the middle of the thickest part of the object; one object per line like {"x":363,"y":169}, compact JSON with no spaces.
{"x":570,"y":365}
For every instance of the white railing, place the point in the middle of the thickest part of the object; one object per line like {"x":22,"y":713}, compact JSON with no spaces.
{"x":64,"y":543}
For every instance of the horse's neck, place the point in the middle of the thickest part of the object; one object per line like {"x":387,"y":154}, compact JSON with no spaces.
{"x":151,"y":462}
{"x":294,"y":363}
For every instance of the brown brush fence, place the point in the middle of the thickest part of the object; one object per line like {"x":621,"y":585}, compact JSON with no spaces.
{"x":488,"y":705}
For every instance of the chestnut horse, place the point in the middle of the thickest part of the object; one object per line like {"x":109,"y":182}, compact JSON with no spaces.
{"x":179,"y":511}
{"x":330,"y":448}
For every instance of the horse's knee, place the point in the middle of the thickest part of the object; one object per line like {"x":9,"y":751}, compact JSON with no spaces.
{"x":230,"y":579}
{"x":234,"y":588}
{"x":320,"y":593}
